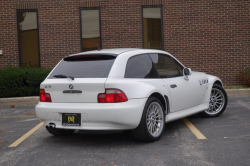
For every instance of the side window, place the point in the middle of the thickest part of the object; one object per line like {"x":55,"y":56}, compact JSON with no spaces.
{"x":165,"y":66}
{"x":140,"y":66}
{"x":179,"y":66}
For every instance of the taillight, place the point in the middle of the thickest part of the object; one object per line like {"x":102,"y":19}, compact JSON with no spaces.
{"x":44,"y":97}
{"x":112,"y":96}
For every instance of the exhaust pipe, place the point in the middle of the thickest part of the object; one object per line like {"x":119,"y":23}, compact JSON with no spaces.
{"x":51,"y":126}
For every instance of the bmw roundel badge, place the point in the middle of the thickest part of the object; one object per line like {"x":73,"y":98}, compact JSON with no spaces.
{"x":71,"y":86}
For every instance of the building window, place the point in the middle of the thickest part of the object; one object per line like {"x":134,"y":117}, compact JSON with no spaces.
{"x":90,"y":29}
{"x":152,"y":28}
{"x":28,"y":38}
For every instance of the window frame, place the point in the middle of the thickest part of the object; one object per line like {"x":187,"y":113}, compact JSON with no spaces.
{"x":172,"y":59}
{"x":176,"y":61}
{"x":162,"y":32}
{"x":80,"y":16}
{"x":18,"y":34}
{"x":152,"y":65}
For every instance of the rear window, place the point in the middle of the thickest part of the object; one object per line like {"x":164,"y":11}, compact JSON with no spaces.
{"x":84,"y":66}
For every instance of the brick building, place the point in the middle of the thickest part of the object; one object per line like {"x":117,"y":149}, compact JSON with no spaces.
{"x":212,"y":36}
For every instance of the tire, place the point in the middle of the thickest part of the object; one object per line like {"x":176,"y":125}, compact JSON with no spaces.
{"x":142,"y":133}
{"x":215,"y":110}
{"x":59,"y":132}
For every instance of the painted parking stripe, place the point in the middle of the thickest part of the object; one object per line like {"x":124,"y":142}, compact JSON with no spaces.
{"x":25,"y":136}
{"x":196,"y":132}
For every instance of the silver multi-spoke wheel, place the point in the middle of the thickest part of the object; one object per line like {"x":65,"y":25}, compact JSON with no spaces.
{"x":154,"y":119}
{"x":217,"y":101}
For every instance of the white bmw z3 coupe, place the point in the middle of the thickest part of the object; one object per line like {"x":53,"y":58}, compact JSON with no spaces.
{"x":125,"y":89}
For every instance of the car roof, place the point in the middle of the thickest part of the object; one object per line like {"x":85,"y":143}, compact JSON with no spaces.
{"x":114,"y":51}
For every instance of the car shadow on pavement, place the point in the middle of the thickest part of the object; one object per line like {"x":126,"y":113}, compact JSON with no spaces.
{"x":79,"y":139}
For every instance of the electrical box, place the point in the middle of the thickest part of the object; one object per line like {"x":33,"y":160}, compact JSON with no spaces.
{"x":1,"y":52}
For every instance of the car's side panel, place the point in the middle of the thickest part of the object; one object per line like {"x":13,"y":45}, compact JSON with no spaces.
{"x":186,"y":112}
{"x":187,"y":93}
{"x":138,"y":88}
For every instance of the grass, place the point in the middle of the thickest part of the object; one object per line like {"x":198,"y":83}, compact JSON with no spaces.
{"x":236,"y":87}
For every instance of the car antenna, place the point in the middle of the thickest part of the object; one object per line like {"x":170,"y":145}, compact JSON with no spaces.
{"x":97,"y":47}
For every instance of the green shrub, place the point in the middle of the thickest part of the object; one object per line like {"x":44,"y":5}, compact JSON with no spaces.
{"x":245,"y":77}
{"x":15,"y":82}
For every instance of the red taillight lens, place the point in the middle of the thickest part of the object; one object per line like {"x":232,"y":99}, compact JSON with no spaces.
{"x":112,"y":96}
{"x":44,"y":97}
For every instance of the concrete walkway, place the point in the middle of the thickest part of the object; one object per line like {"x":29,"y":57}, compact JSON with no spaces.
{"x":16,"y":101}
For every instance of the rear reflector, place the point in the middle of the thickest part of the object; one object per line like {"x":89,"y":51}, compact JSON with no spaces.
{"x":112,"y":96}
{"x":44,"y":97}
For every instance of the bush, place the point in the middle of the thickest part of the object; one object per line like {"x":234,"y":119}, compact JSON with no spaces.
{"x":245,"y":77}
{"x":15,"y":82}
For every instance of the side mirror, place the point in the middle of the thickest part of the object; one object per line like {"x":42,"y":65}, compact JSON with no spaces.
{"x":187,"y":72}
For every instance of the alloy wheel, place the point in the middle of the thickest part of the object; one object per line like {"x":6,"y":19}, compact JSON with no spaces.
{"x":217,"y":101}
{"x":155,"y":119}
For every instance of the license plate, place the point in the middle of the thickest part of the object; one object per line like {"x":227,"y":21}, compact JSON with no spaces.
{"x":69,"y":119}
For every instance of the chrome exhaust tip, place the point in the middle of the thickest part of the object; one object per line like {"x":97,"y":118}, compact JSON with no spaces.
{"x":51,"y":126}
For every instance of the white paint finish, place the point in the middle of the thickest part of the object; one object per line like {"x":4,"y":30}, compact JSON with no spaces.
{"x":186,"y":112}
{"x":90,"y":88}
{"x":137,"y":88}
{"x":188,"y":98}
{"x":101,"y":116}
{"x":115,"y":51}
{"x":188,"y":93}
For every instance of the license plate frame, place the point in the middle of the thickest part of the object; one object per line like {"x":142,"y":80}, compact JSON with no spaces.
{"x":71,"y":119}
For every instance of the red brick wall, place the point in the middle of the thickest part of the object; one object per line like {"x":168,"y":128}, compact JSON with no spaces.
{"x":208,"y":36}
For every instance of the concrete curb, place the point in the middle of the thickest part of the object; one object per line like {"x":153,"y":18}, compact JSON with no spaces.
{"x":238,"y":92}
{"x":33,"y":100}
{"x":16,"y":101}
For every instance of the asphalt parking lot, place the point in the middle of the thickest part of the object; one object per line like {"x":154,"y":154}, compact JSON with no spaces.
{"x":227,"y":142}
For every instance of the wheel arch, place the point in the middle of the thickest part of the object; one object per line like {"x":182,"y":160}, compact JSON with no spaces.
{"x":218,"y":82}
{"x":164,"y":100}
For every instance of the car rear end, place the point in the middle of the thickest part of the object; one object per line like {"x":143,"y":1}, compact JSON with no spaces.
{"x":74,"y":96}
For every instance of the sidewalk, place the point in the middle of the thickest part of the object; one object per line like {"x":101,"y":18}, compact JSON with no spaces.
{"x":16,"y":101}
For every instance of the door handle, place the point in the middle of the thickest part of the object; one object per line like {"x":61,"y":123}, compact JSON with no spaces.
{"x":173,"y":86}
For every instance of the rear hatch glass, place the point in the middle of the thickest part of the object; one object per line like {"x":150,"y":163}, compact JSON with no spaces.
{"x":84,"y":66}
{"x":89,"y":75}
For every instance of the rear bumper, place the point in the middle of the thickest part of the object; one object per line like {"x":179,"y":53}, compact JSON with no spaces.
{"x":94,"y":116}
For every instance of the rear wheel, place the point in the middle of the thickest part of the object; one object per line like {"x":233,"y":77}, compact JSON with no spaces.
{"x":217,"y":103}
{"x":152,"y":122}
{"x":59,"y":132}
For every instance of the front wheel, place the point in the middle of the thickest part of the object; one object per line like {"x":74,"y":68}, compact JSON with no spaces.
{"x":217,"y":103}
{"x":152,"y":122}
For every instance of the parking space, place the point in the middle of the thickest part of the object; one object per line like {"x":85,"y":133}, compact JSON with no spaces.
{"x":227,"y":142}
